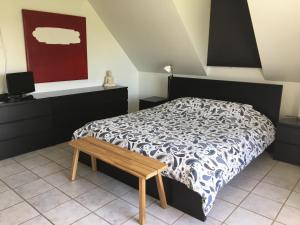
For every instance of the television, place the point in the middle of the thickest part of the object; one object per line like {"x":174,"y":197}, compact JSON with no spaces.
{"x":19,"y":84}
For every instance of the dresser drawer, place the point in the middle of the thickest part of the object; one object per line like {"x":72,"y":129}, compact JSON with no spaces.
{"x":287,"y":152}
{"x":26,"y":110}
{"x":24,"y":127}
{"x":25,"y":144}
{"x":288,"y":134}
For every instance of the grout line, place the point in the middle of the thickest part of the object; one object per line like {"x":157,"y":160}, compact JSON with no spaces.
{"x":260,"y":180}
{"x":74,"y":199}
{"x":291,"y":192}
{"x":120,"y":197}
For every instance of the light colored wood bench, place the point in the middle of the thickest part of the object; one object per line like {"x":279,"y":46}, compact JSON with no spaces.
{"x":136,"y":164}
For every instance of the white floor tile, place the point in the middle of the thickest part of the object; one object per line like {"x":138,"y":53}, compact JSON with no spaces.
{"x":17,"y":214}
{"x":66,"y":163}
{"x":95,"y":199}
{"x":39,"y":220}
{"x":11,"y":169}
{"x":48,"y":150}
{"x":284,"y":182}
{"x":150,"y":220}
{"x":58,"y":179}
{"x":282,"y":169}
{"x":297,"y":189}
{"x":83,"y":170}
{"x":63,"y":145}
{"x":34,"y":162}
{"x":133,"y":198}
{"x":33,"y":189}
{"x":6,"y":162}
{"x":25,"y":156}
{"x":77,"y":187}
{"x":294,"y":200}
{"x":221,"y":210}
{"x":97,"y":178}
{"x":243,"y":182}
{"x":262,"y":206}
{"x":67,"y":213}
{"x":272,"y":192}
{"x":168,"y":215}
{"x":20,"y":179}
{"x":117,"y":212}
{"x":256,"y":171}
{"x":47,"y":169}
{"x":91,"y":219}
{"x":3,"y":187}
{"x":188,"y":220}
{"x":8,"y":199}
{"x":289,"y":216}
{"x":277,"y":223}
{"x":232,"y":194}
{"x":245,"y":217}
{"x":48,"y":200}
{"x":116,"y":187}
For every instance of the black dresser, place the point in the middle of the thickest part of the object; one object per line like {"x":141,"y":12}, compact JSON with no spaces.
{"x":52,"y":117}
{"x":287,"y":145}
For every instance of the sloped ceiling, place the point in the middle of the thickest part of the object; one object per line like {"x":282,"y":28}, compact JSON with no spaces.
{"x":276,"y":25}
{"x":154,"y":33}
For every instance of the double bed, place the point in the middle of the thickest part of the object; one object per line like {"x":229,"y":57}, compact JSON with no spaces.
{"x":206,"y":137}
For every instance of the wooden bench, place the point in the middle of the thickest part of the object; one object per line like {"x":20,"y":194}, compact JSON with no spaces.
{"x":136,"y":164}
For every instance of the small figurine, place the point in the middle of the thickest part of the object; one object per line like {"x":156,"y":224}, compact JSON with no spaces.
{"x":109,"y":80}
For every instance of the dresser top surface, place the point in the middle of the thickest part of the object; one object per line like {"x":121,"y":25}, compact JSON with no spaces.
{"x":51,"y":94}
{"x":73,"y":91}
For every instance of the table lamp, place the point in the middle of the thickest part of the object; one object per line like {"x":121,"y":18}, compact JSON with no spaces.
{"x":169,"y":69}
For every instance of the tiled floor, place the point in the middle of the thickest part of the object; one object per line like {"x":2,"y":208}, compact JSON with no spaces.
{"x":35,"y":190}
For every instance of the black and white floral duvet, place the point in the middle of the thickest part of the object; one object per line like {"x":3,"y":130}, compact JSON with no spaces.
{"x":204,"y":142}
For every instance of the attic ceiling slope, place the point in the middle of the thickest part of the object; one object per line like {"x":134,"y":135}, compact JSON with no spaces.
{"x":276,"y":26}
{"x":151,"y":33}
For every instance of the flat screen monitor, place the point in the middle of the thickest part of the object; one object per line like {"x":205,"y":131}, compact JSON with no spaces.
{"x":19,"y":84}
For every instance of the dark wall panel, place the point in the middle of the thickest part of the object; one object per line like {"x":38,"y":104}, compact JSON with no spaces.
{"x":232,"y":41}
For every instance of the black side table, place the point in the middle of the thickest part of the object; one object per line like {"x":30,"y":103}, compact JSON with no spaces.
{"x":151,"y":102}
{"x":287,"y":145}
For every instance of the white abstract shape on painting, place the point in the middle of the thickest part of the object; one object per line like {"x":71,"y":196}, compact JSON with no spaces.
{"x":56,"y":36}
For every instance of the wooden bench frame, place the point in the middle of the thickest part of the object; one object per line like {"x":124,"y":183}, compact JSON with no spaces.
{"x":136,"y":164}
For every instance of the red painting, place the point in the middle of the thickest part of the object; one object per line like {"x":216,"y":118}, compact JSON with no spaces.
{"x":55,"y":46}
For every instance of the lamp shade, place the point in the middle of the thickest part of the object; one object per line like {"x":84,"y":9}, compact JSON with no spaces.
{"x":168,"y":68}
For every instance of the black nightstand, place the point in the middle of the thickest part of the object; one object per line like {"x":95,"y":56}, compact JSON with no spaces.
{"x":287,"y":145}
{"x":151,"y":102}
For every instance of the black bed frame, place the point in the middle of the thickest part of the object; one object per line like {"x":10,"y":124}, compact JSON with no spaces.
{"x":265,"y":98}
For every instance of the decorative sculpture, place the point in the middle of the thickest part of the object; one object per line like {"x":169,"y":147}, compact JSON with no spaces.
{"x":109,"y":80}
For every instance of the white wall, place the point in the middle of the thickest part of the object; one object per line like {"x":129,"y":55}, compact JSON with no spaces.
{"x":276,"y":26}
{"x":155,"y":84}
{"x":152,"y":34}
{"x":104,"y":52}
{"x":195,"y":15}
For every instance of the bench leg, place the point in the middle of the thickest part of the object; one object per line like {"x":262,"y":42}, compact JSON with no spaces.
{"x":74,"y":164}
{"x":142,"y":200}
{"x":161,"y":191}
{"x":94,"y":163}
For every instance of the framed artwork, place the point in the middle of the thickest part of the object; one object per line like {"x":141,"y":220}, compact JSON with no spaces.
{"x":56,"y":46}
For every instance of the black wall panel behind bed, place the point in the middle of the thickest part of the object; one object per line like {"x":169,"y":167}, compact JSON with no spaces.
{"x":232,"y":41}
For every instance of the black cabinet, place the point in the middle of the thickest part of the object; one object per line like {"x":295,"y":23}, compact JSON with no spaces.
{"x":287,"y":145}
{"x":53,"y":117}
{"x":151,"y":102}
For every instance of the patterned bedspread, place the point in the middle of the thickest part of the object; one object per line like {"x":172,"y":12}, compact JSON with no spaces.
{"x":204,"y":142}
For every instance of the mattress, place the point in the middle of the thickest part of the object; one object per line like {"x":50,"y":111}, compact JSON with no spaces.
{"x":204,"y":142}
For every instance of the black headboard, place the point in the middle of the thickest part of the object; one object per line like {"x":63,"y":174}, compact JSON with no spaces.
{"x":265,"y":98}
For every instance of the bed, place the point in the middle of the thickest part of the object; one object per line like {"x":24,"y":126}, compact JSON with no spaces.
{"x":205,"y":140}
